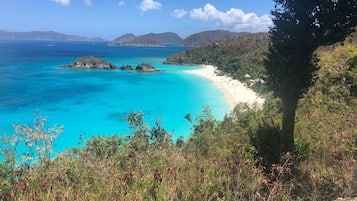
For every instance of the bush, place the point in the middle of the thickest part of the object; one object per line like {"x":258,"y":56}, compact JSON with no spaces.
{"x":267,"y":142}
{"x":103,"y":147}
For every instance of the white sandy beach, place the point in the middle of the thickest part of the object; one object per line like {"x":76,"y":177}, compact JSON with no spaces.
{"x":235,"y":91}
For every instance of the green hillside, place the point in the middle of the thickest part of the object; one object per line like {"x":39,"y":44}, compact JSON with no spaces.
{"x":236,"y":57}
{"x":207,"y":37}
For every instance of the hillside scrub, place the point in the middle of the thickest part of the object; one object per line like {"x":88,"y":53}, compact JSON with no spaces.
{"x":238,"y":158}
{"x":299,"y":29}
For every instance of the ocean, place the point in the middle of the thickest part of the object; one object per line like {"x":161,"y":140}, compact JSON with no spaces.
{"x":95,"y":103}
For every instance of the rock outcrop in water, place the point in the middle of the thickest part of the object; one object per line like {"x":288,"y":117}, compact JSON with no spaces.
{"x":93,"y":63}
{"x":145,"y":68}
{"x":90,"y":63}
{"x":126,"y":67}
{"x":139,"y":68}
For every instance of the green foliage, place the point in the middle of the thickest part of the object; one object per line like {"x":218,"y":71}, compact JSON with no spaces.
{"x":205,"y":121}
{"x":260,"y":88}
{"x":5,"y":190}
{"x":103,"y":147}
{"x":180,"y":142}
{"x":338,"y":74}
{"x":188,"y":117}
{"x":136,"y":120}
{"x":328,"y":189}
{"x":140,"y":139}
{"x":159,"y":135}
{"x":302,"y":150}
{"x":267,"y":142}
{"x":300,"y":27}
{"x":351,"y":145}
{"x":203,"y":133}
{"x":326,"y":120}
{"x":7,"y":166}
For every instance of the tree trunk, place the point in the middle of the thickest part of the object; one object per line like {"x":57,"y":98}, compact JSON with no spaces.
{"x":289,"y":109}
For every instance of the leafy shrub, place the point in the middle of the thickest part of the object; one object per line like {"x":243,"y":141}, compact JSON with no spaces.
{"x":267,"y":142}
{"x":103,"y":147}
{"x":301,"y":151}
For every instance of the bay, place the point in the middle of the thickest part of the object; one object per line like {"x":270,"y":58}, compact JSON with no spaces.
{"x":93,"y":103}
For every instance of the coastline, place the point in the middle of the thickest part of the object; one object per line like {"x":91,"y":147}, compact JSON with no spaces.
{"x":235,"y":91}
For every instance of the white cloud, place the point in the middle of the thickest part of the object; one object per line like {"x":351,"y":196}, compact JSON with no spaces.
{"x":88,"y":2}
{"x":121,"y":3}
{"x":178,"y":13}
{"x":234,"y":18}
{"x":147,"y":5}
{"x":62,"y":2}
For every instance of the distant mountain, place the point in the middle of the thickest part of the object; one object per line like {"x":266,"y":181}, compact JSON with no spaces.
{"x":164,"y":38}
{"x":120,"y":41}
{"x":151,"y":39}
{"x":141,"y":41}
{"x":207,"y":37}
{"x":43,"y":35}
{"x":169,"y":38}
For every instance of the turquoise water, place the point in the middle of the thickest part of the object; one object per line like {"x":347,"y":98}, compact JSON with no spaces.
{"x":91,"y":103}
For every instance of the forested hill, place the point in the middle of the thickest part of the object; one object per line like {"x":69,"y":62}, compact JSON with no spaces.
{"x":151,"y":39}
{"x":170,"y":38}
{"x":238,"y":57}
{"x":207,"y":37}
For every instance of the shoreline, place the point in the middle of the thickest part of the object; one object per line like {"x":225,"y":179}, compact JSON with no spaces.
{"x":235,"y":91}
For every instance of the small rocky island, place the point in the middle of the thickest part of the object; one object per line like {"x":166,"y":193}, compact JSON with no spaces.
{"x":140,"y":68}
{"x":93,"y":63}
{"x":90,"y":63}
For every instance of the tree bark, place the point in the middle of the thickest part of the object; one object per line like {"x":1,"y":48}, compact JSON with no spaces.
{"x":289,"y":110}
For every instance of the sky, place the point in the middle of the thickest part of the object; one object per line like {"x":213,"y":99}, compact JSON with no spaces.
{"x":112,"y":18}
